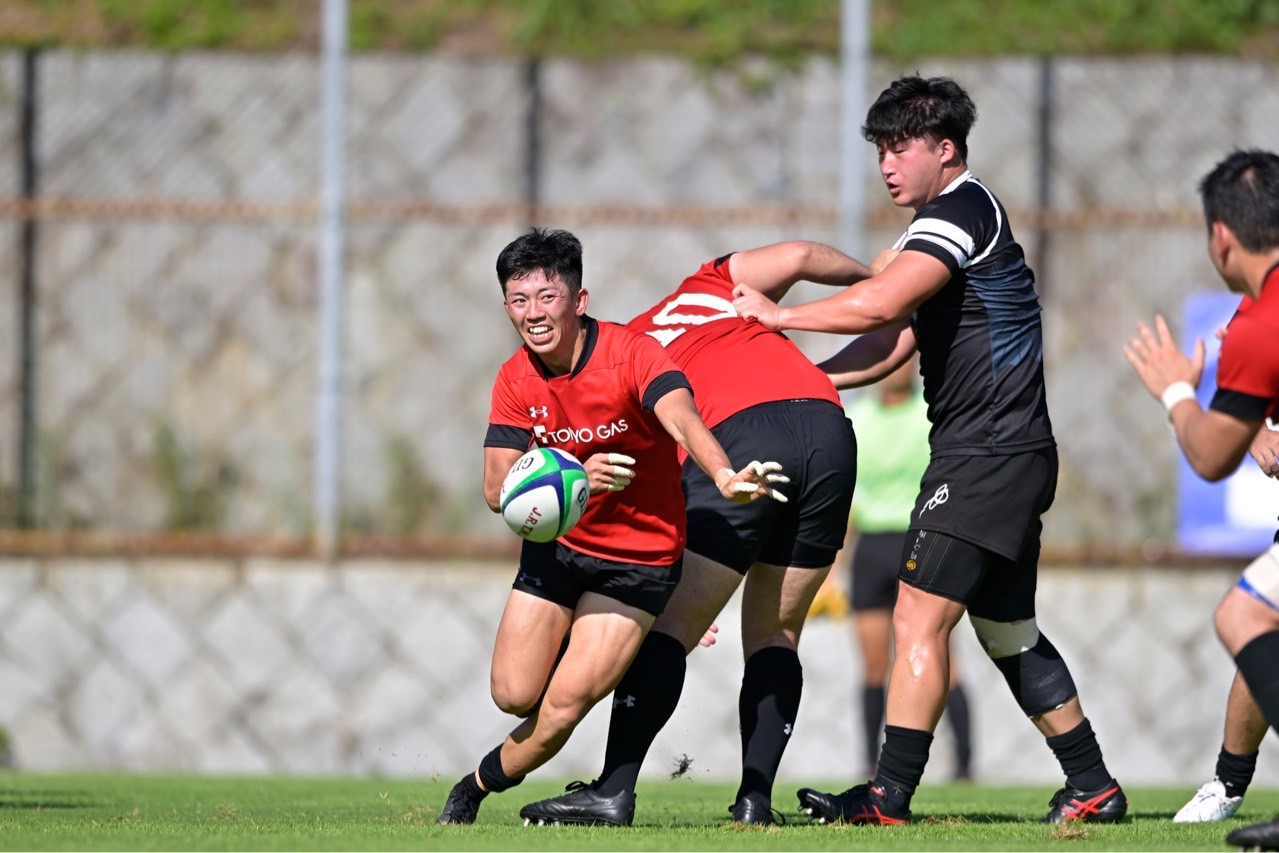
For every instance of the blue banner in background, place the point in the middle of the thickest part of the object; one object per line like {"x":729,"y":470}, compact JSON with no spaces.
{"x":1236,"y":516}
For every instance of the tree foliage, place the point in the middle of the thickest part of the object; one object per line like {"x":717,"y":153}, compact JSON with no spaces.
{"x":711,"y":31}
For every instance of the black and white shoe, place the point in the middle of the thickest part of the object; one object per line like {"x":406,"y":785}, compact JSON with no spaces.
{"x":582,"y":804}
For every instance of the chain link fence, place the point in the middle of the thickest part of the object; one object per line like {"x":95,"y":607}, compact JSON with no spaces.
{"x":158,"y":227}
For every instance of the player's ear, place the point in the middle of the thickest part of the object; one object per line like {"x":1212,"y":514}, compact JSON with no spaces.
{"x":947,"y":150}
{"x":1221,"y":241}
{"x":583,"y":297}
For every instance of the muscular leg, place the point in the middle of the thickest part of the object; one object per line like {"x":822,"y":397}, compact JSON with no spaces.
{"x":605,"y":637}
{"x":922,"y":623}
{"x":1249,"y":629}
{"x":775,"y":603}
{"x":1245,"y":726}
{"x":649,"y":692}
{"x":1244,"y":731}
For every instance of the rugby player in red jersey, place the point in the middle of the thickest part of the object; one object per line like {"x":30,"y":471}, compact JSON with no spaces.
{"x":1241,"y":208}
{"x":615,"y":400}
{"x":755,"y":389}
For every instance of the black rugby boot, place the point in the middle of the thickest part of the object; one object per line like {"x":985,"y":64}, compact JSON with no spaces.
{"x":862,"y":804}
{"x":754,"y":809}
{"x":1107,"y":804}
{"x":582,"y":804}
{"x":1259,"y":836}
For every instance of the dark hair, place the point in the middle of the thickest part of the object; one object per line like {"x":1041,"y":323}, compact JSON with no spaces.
{"x":558,"y":254}
{"x":913,"y":107}
{"x":1242,"y":193}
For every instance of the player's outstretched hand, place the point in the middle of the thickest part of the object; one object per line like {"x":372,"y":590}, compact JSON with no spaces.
{"x":753,"y":481}
{"x":609,"y":472}
{"x":1158,"y":361}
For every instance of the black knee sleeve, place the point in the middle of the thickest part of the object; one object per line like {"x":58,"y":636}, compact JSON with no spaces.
{"x":492,"y":775}
{"x":1038,"y":678}
{"x":1256,"y":662}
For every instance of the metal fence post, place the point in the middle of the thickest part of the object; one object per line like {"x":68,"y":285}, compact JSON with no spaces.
{"x":328,"y":439}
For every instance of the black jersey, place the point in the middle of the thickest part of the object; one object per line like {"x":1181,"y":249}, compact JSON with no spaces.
{"x":980,"y":338}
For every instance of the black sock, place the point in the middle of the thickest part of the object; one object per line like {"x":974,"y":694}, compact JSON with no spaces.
{"x":643,"y":701}
{"x":1256,"y":662}
{"x":1080,"y":757}
{"x":767,"y":706}
{"x":961,"y":725}
{"x":493,"y":776}
{"x":872,"y":722}
{"x":1235,"y":771}
{"x":901,"y":763}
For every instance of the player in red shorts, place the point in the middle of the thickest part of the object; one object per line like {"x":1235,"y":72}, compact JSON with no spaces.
{"x":1241,"y":208}
{"x":612,"y":398}
{"x":755,"y":389}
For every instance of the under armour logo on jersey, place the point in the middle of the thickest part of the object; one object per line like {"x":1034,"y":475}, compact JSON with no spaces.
{"x":939,"y":497}
{"x":538,"y":411}
{"x":628,"y":701}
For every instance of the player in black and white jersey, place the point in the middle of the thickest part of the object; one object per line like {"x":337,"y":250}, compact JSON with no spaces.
{"x":957,"y":289}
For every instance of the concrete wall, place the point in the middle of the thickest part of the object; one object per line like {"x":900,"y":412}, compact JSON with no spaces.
{"x":380,"y":667}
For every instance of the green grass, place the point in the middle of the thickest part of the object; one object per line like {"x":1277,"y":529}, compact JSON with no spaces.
{"x":131,"y":812}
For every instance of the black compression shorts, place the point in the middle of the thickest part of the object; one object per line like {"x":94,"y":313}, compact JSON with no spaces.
{"x":557,"y":573}
{"x":814,"y":442}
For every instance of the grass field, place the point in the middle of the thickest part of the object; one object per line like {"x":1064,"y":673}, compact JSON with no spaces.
{"x":126,"y":812}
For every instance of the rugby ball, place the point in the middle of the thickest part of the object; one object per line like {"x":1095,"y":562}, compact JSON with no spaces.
{"x":544,"y":494}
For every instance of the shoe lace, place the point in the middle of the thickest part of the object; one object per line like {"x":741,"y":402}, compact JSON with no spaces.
{"x":1205,"y":794}
{"x":577,"y":785}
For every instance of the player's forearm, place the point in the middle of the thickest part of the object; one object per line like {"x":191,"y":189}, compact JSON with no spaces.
{"x":1210,"y":453}
{"x":824,"y":264}
{"x":841,"y":314}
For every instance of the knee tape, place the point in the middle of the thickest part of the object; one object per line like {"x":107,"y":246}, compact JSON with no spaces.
{"x":1035,"y":672}
{"x":1005,"y":639}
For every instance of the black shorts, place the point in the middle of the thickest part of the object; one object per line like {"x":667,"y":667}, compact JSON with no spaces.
{"x":814,"y":442}
{"x":991,"y":585}
{"x":559,"y":574}
{"x":873,"y":569}
{"x":991,"y":501}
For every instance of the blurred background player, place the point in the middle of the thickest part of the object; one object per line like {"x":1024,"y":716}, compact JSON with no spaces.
{"x":1241,"y":209}
{"x":892,"y":426}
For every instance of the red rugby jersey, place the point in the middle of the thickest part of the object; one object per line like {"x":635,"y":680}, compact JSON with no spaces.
{"x":604,"y":406}
{"x":1248,"y":366}
{"x":747,"y":364}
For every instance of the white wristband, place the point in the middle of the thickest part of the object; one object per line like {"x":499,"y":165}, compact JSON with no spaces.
{"x":1175,"y":393}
